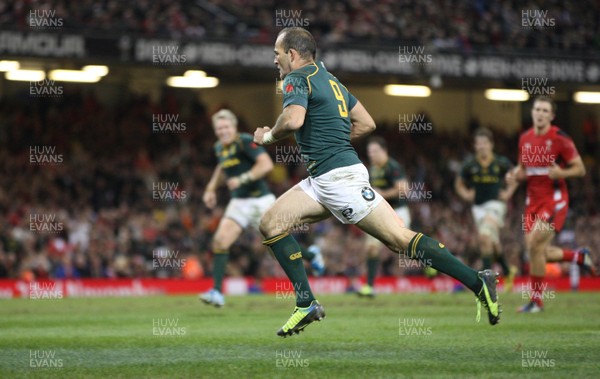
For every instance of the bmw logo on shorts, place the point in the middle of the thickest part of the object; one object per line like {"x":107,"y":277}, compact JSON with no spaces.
{"x":368,"y":194}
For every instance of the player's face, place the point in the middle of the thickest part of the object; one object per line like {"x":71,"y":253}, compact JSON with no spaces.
{"x":542,"y":114}
{"x":483,"y":146}
{"x":225,"y":131}
{"x":376,"y":154}
{"x":282,"y":60}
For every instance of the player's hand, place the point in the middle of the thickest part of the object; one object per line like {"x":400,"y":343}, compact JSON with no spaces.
{"x":259,"y":134}
{"x":210,"y":199}
{"x":233,"y":183}
{"x":470,"y":195}
{"x":555,"y":172}
{"x":510,"y":178}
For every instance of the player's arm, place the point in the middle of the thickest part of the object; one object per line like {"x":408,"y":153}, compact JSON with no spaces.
{"x":290,"y":120}
{"x":568,"y":153}
{"x":510,"y":187}
{"x":362,"y":122}
{"x":507,"y":192}
{"x":262,"y":166}
{"x":517,"y":173}
{"x":467,"y":194}
{"x":210,"y":192}
{"x":514,"y":176}
{"x":575,"y":169}
{"x":393,"y":192}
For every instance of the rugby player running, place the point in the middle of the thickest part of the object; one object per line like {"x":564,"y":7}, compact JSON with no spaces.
{"x":324,"y":117}
{"x":547,"y":156}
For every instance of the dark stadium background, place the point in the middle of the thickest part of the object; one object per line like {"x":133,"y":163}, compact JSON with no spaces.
{"x":100,"y":194}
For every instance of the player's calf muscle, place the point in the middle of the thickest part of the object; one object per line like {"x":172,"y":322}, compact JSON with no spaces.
{"x":220,"y":244}
{"x":384,"y":227}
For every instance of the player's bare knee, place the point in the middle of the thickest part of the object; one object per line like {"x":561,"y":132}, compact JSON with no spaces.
{"x":486,"y":244}
{"x":268,"y":225}
{"x":218,"y":244}
{"x":537,"y":247}
{"x":373,"y":252}
{"x":538,"y":239}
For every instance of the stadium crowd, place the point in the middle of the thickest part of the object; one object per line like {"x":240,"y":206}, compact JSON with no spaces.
{"x":442,"y":24}
{"x":90,"y":190}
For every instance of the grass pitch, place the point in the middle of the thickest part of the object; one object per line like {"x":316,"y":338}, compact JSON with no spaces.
{"x":391,"y":336}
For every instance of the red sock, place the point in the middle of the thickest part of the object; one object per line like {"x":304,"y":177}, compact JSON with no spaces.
{"x":568,"y":255}
{"x":572,"y":256}
{"x":537,"y":289}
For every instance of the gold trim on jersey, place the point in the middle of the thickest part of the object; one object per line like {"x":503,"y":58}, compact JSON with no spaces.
{"x":308,"y":78}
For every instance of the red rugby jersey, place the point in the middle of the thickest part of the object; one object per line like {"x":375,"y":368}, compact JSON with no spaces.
{"x":537,"y":153}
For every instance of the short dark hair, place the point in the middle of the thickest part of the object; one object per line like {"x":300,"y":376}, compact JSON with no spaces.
{"x":379,"y":141}
{"x":547,"y":99}
{"x":300,"y":40}
{"x":485,"y":132}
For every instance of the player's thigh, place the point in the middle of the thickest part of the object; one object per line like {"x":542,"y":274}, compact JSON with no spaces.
{"x":384,"y":224}
{"x":553,"y":254}
{"x":539,"y":237}
{"x":292,"y":208}
{"x":488,"y":230}
{"x":259,"y":207}
{"x":489,"y":219}
{"x":227,"y":233}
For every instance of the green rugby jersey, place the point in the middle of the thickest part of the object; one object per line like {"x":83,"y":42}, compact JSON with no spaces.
{"x":239,"y":157}
{"x":385,"y":177}
{"x":324,"y":139}
{"x":487,"y":181}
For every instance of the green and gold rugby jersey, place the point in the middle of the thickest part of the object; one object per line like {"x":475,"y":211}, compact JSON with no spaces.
{"x":487,"y":181}
{"x":385,"y":177}
{"x":239,"y":157}
{"x":324,"y":139}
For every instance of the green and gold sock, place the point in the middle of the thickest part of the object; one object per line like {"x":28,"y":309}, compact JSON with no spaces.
{"x":307,"y":255}
{"x":502,"y":261}
{"x":220,"y":258}
{"x":372,"y":264}
{"x":433,"y":253}
{"x":288,"y":254}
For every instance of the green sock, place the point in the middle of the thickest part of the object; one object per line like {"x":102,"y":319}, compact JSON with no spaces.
{"x":487,"y":262}
{"x":502,"y":261}
{"x":306,"y":255}
{"x":434,"y":254}
{"x":287,"y":252}
{"x":372,"y":264}
{"x":219,"y":263}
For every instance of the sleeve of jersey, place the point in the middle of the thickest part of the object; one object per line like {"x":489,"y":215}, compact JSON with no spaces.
{"x":507,"y":165}
{"x":396,"y":172}
{"x":351,"y":101}
{"x":250,"y":148}
{"x":464,"y":172}
{"x":295,"y":91}
{"x":520,"y":157}
{"x":568,"y":149}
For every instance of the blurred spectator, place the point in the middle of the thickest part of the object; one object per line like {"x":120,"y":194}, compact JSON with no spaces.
{"x":95,"y":214}
{"x":442,"y":24}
